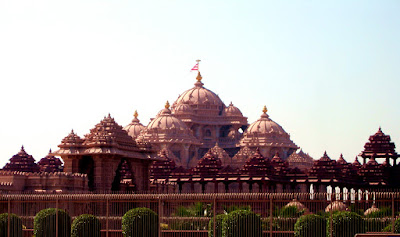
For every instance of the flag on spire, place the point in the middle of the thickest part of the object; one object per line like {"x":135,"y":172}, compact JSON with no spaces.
{"x":196,"y":67}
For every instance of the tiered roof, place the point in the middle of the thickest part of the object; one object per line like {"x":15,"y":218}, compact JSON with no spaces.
{"x":221,"y":154}
{"x":379,"y":146}
{"x":107,"y":137}
{"x":257,"y":165}
{"x":240,"y":158}
{"x":324,"y":168}
{"x":209,"y":165}
{"x":22,"y":162}
{"x":372,"y":172}
{"x":280,"y":166}
{"x":108,"y":133}
{"x":301,"y":160}
{"x":50,"y":164}
{"x":163,"y":167}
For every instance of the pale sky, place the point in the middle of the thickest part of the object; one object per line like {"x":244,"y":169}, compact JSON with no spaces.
{"x":328,"y":71}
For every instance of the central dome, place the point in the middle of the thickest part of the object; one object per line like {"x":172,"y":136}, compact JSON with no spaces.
{"x":200,"y":98}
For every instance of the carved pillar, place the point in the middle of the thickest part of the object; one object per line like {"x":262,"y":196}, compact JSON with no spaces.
{"x":279,"y":188}
{"x":322,"y":188}
{"x":185,"y":155}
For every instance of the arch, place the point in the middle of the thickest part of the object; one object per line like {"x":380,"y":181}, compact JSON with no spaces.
{"x":86,"y":166}
{"x":123,"y":173}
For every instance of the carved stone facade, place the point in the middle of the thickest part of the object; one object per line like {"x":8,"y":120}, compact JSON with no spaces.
{"x":107,"y":154}
{"x":199,"y":120}
{"x":262,"y":174}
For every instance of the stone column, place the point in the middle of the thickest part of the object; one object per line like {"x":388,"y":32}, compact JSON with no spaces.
{"x":185,"y":155}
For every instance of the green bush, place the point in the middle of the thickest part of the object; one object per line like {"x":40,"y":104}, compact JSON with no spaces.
{"x":266,"y":224}
{"x":188,"y":223}
{"x":242,"y":223}
{"x":15,"y":225}
{"x":310,"y":226}
{"x":218,"y":225}
{"x":229,"y":209}
{"x":383,"y":212}
{"x":140,"y":221}
{"x":285,"y":224}
{"x":290,"y":211}
{"x":356,"y":209}
{"x":376,"y":224}
{"x":86,"y":226}
{"x":45,"y":223}
{"x":197,"y":210}
{"x":396,"y":227}
{"x":345,"y":224}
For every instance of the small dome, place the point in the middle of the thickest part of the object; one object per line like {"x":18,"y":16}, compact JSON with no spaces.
{"x":135,"y":127}
{"x":183,"y":109}
{"x":336,"y":206}
{"x":265,"y":132}
{"x":232,"y":110}
{"x":166,"y":120}
{"x":370,"y":210}
{"x":166,"y":128}
{"x":300,"y":206}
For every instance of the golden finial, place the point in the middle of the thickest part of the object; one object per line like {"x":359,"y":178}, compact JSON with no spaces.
{"x":135,"y":114}
{"x":167,"y":105}
{"x":265,"y":110}
{"x":198,"y":78}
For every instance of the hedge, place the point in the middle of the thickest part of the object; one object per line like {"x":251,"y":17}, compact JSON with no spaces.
{"x":218,"y":225}
{"x":345,"y":224}
{"x":86,"y":225}
{"x":242,"y":223}
{"x":290,"y":211}
{"x":140,"y":221}
{"x":388,"y":228}
{"x":45,"y":223}
{"x":310,"y":226}
{"x":15,"y":225}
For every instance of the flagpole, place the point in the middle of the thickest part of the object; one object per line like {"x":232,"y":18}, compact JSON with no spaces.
{"x":198,"y":64}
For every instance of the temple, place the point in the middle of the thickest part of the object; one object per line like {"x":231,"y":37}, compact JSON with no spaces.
{"x":196,"y":145}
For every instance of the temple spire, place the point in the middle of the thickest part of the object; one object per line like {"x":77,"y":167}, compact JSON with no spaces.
{"x":135,"y":114}
{"x":199,"y":77}
{"x":167,"y":105}
{"x":265,"y":110}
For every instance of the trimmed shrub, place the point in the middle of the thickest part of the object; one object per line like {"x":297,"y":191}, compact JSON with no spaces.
{"x":15,"y":225}
{"x":229,"y":209}
{"x":290,"y":211}
{"x":345,"y":224}
{"x":86,"y":225}
{"x":218,"y":225}
{"x":140,"y":221}
{"x":45,"y":223}
{"x":310,"y":226}
{"x":242,"y":223}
